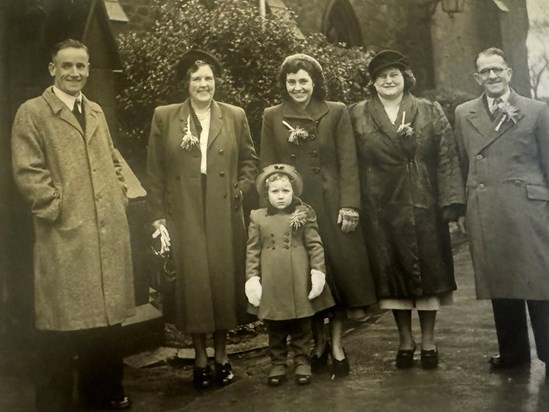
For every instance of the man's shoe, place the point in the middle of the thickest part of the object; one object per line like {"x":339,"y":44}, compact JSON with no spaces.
{"x":499,"y":362}
{"x":117,"y":404}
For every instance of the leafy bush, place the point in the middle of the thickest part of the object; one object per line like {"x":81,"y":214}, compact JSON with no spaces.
{"x":250,"y":48}
{"x":449,"y":99}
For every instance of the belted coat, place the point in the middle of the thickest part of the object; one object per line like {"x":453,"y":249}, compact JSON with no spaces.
{"x":328,"y":164}
{"x":406,"y":181}
{"x":208,"y":240}
{"x":506,"y":175}
{"x":72,"y":180}
{"x":282,"y":256}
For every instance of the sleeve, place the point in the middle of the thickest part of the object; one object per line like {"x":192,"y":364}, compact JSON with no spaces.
{"x":349,"y":184}
{"x":253,"y":249}
{"x":462,"y":154}
{"x":247,"y":158}
{"x":156,"y":170}
{"x":313,"y":242}
{"x":30,"y":170}
{"x":115,"y":156}
{"x":451,"y":189}
{"x":542,"y":137}
{"x":267,"y":154}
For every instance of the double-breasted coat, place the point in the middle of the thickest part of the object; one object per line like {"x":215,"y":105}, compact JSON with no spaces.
{"x":208,"y":240}
{"x":72,"y":180}
{"x":507,"y":197}
{"x":283,"y":256}
{"x":328,"y":164}
{"x":405,"y":182}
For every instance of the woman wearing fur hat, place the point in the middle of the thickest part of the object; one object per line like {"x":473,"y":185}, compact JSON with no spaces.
{"x":316,"y":137}
{"x":201,"y":162}
{"x":411,"y":187}
{"x":285,"y":270}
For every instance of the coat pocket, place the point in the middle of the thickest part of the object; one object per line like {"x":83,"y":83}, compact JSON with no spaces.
{"x":535,"y":192}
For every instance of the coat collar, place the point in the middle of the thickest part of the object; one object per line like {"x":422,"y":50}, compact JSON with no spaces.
{"x":314,"y":111}
{"x":61,"y":110}
{"x":216,"y":120}
{"x":480,"y":119}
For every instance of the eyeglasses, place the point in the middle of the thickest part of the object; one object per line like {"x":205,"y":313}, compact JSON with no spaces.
{"x":497,"y":71}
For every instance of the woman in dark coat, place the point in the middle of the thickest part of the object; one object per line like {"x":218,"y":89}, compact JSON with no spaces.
{"x":411,"y":186}
{"x":201,"y":162}
{"x":316,"y":137}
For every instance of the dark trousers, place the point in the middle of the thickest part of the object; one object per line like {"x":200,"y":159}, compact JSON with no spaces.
{"x":99,"y":365}
{"x":512,"y":328}
{"x":299,"y":331}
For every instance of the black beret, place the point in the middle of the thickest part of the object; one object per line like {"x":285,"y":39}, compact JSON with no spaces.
{"x":189,"y":58}
{"x":384,"y":59}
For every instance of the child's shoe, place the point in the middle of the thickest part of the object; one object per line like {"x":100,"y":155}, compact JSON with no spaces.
{"x":277,"y":375}
{"x":303,"y":374}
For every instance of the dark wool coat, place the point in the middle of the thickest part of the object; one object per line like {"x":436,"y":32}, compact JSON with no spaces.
{"x":283,"y":257}
{"x":208,"y":240}
{"x":327,"y":162}
{"x":82,"y":262}
{"x":507,"y":198}
{"x":405,"y":182}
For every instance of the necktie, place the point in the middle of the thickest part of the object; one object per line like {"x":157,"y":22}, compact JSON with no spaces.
{"x":77,"y":111}
{"x":495,"y":109}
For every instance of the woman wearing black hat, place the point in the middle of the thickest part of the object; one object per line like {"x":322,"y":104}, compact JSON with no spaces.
{"x":201,"y":162}
{"x":316,"y":137}
{"x":411,"y":187}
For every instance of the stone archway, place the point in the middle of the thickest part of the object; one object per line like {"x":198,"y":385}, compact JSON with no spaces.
{"x":340,"y":24}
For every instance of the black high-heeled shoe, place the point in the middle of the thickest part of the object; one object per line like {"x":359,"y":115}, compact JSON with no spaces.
{"x":319,"y":364}
{"x":429,"y":358}
{"x":202,"y":377}
{"x":405,"y":358}
{"x":223,"y":373}
{"x":340,"y":368}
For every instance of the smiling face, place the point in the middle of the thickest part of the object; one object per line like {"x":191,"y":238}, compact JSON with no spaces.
{"x":300,"y":87}
{"x":493,"y":74}
{"x":280,"y":193}
{"x":202,"y":86}
{"x":389,"y":83}
{"x":70,"y":69}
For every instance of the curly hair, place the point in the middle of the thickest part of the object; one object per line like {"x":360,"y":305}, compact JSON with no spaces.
{"x":319,"y":91}
{"x":192,"y":69}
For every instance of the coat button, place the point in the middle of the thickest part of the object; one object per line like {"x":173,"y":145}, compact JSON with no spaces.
{"x":480,"y":157}
{"x":481,"y":186}
{"x":286,"y":247}
{"x":315,"y":153}
{"x":316,"y":169}
{"x":292,"y":156}
{"x":220,"y":151}
{"x":312,"y":136}
{"x":221,"y":173}
{"x":235,"y":185}
{"x":517,"y":183}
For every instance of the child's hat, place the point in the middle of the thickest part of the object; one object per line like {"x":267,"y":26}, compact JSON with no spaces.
{"x":288,"y":170}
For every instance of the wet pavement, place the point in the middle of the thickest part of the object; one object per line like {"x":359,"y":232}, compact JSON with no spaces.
{"x":463,"y":381}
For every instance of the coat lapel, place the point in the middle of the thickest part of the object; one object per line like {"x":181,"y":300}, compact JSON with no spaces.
{"x":91,"y":117}
{"x":61,"y":110}
{"x":216,"y":122}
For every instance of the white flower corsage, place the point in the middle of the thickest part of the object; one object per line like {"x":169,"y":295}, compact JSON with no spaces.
{"x":507,"y":112}
{"x":297,"y":134}
{"x":298,"y":218}
{"x":189,"y":141}
{"x":405,"y":130}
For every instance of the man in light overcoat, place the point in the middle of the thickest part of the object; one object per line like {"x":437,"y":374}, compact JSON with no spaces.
{"x":503,"y":140}
{"x":66,"y":168}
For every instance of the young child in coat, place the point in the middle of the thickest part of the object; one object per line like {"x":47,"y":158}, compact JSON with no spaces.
{"x":285,"y":270}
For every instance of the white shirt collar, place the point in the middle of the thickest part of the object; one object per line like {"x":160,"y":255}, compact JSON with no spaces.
{"x":66,"y":98}
{"x":504,"y":98}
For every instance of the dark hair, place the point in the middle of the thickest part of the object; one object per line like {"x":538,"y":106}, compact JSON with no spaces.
{"x":319,"y":91}
{"x":66,"y":44}
{"x":193,"y":68}
{"x":492,"y":51}
{"x":407,"y":74}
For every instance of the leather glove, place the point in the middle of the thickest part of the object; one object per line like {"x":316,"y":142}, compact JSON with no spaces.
{"x":318,"y":281}
{"x":160,"y":230}
{"x":348,"y":218}
{"x":253,"y":290}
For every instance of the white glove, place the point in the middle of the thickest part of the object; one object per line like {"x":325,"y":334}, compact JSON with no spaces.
{"x":253,"y":290}
{"x":318,"y":281}
{"x":160,"y":230}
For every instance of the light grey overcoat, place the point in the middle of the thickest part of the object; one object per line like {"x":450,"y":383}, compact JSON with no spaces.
{"x":507,"y":197}
{"x":82,"y":262}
